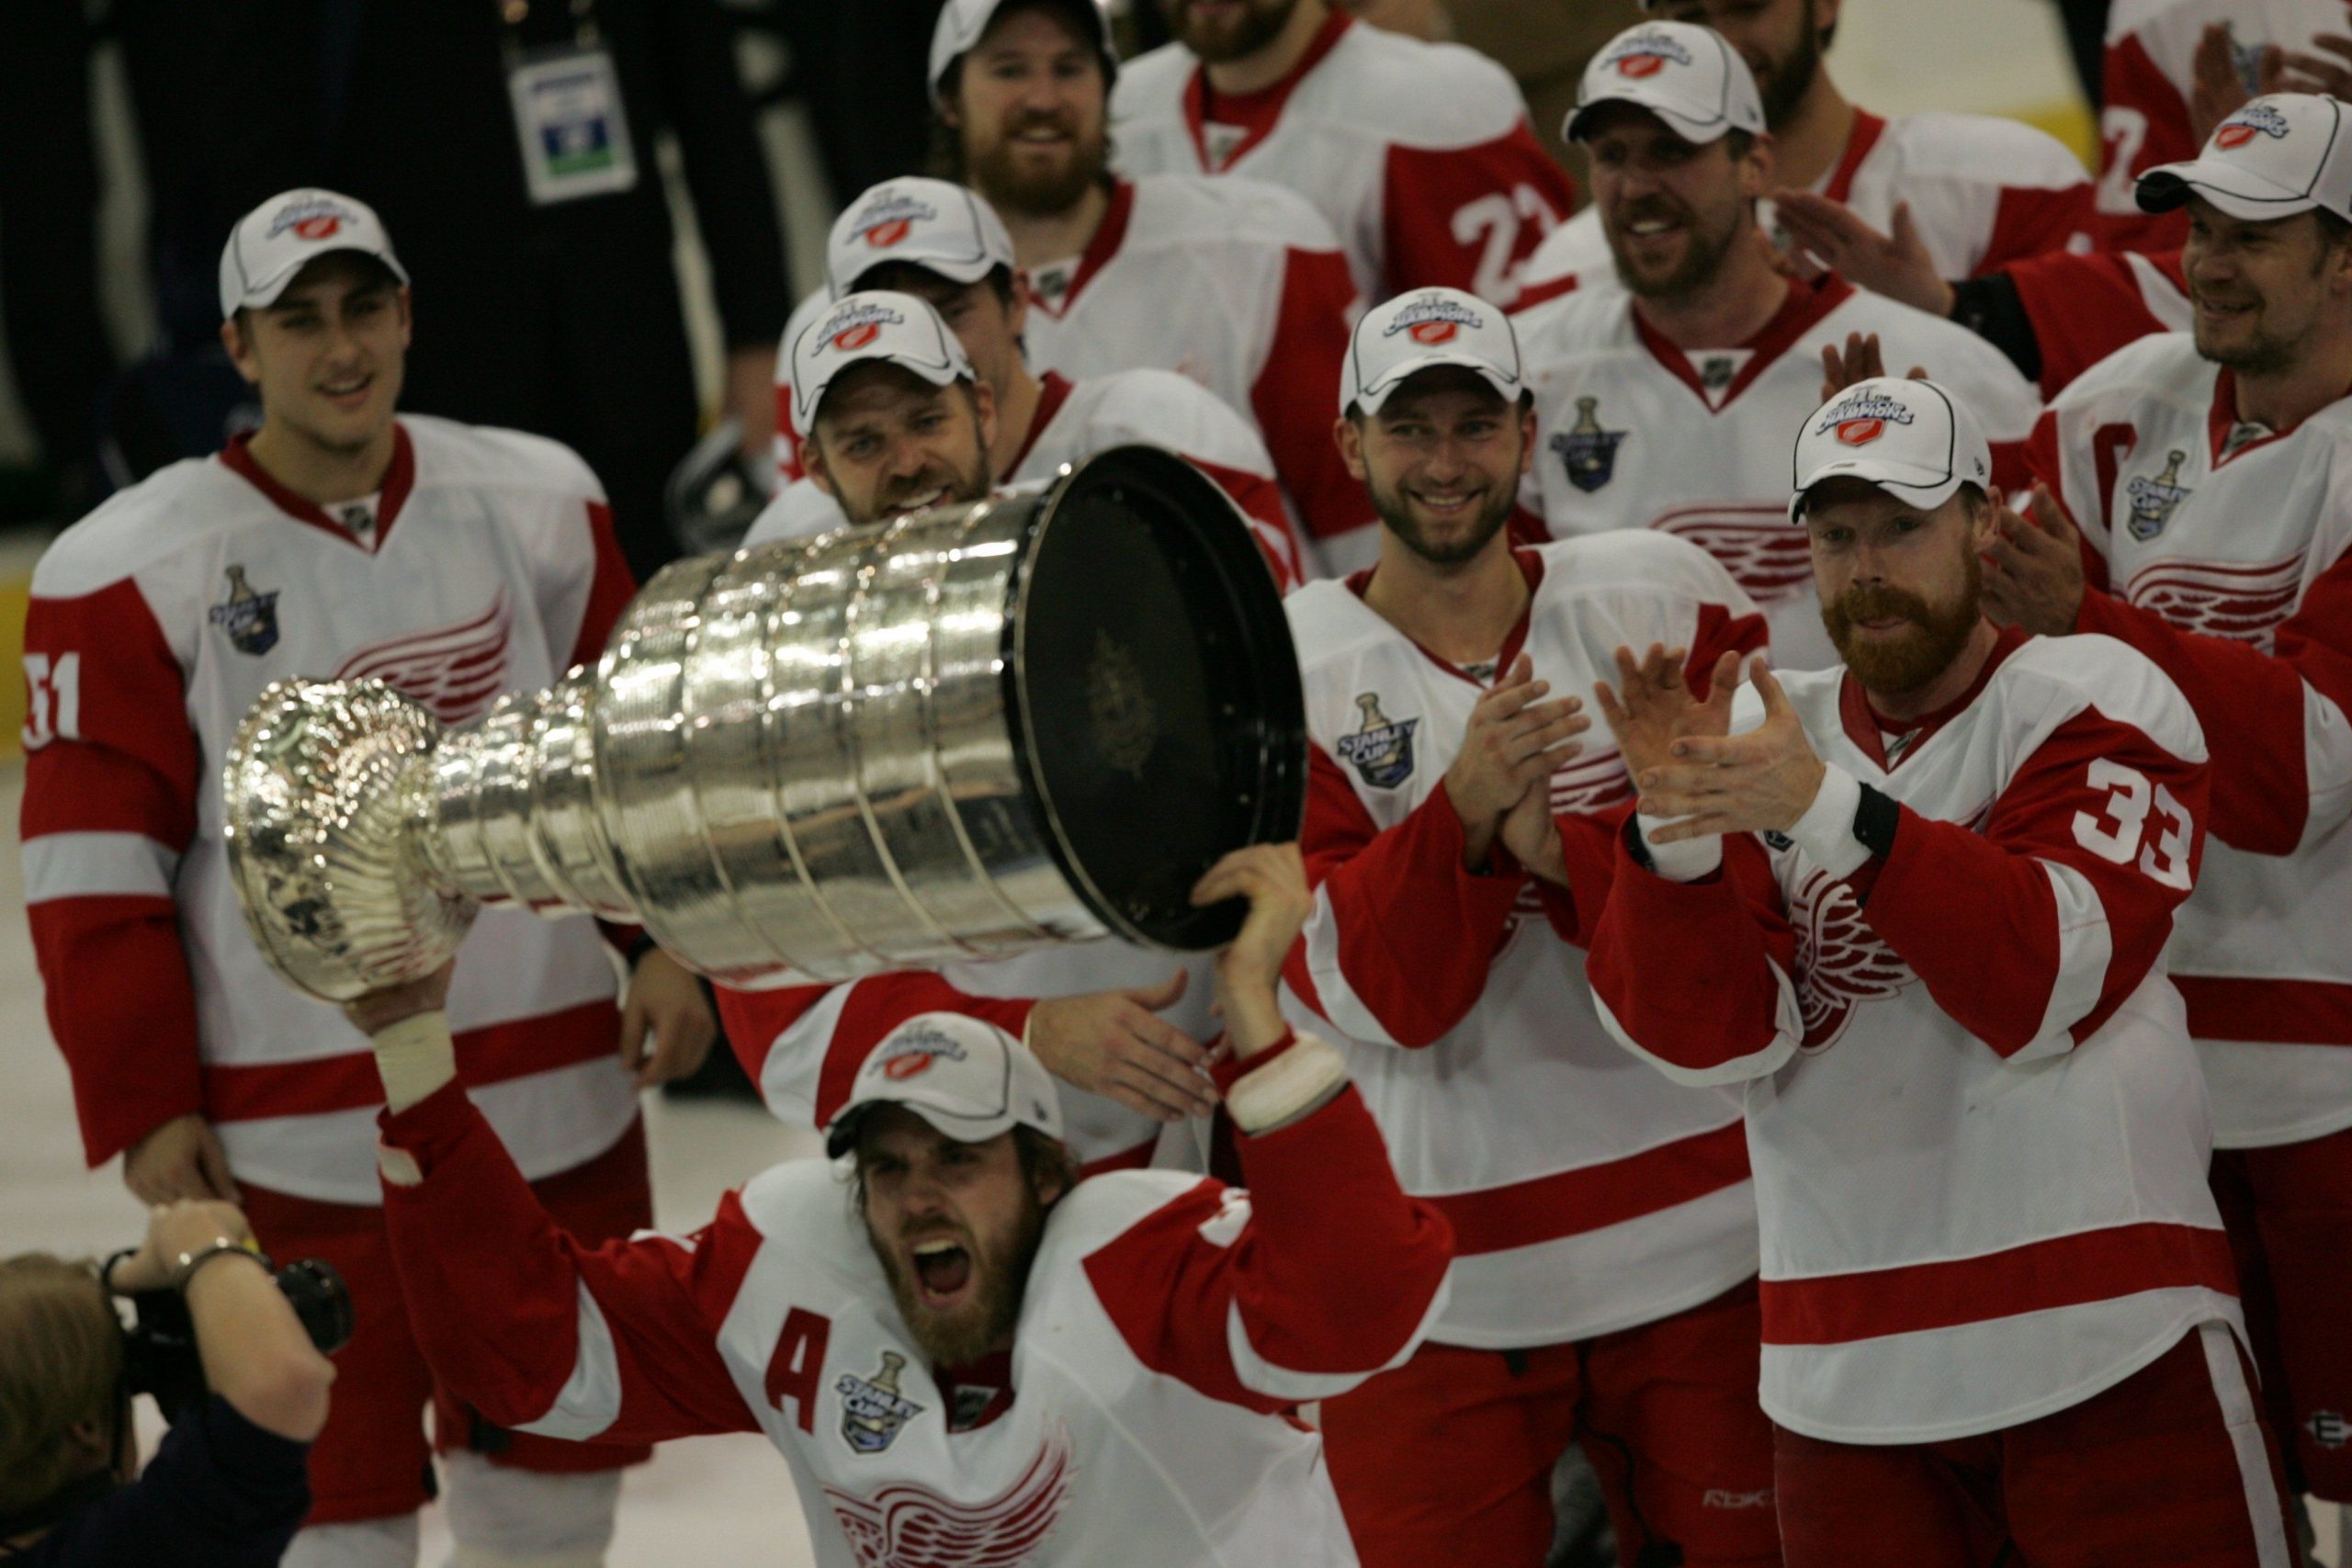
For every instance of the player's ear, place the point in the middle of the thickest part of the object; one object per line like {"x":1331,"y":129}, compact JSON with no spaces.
{"x":812,"y":463}
{"x":984,"y":412}
{"x":1349,"y":435}
{"x":236,"y":337}
{"x":1526,"y":433}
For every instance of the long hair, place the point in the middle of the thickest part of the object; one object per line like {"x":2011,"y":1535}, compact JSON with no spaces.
{"x":61,"y":1363}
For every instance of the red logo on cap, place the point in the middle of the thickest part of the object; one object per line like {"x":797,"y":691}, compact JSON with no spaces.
{"x":320,"y":227}
{"x":857,"y":337}
{"x":882,"y":236}
{"x":913,"y":1065}
{"x":1433,"y":333}
{"x":1639,"y":65}
{"x":2233,"y":136}
{"x":1860,"y":432}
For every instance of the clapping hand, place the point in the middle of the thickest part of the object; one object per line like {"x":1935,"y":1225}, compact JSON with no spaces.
{"x":2034,"y":571}
{"x":1760,"y":781}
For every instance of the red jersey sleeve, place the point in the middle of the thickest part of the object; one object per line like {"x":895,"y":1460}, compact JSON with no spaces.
{"x":1467,"y":217}
{"x":1295,"y":396}
{"x":2083,"y":308}
{"x":610,"y":588}
{"x":2144,"y":123}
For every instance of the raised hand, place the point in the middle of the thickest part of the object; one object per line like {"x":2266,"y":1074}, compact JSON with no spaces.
{"x":1652,"y":708}
{"x":1513,"y":740}
{"x":1273,"y":878}
{"x":1896,"y":265}
{"x":2216,"y":91}
{"x":1114,"y":1044}
{"x":1532,"y":835}
{"x":1860,"y":361}
{"x":1760,"y":781}
{"x":2034,"y":571}
{"x":667,"y":1024}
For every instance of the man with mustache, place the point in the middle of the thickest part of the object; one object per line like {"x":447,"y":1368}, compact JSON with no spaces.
{"x":1420,"y":153}
{"x":944,"y":244}
{"x":897,"y":420}
{"x":964,"y":1354}
{"x":1238,"y":284}
{"x":2211,"y":476}
{"x":1932,"y":886}
{"x":1977,"y":191}
{"x":1604,"y":1224}
{"x":1665,"y":404}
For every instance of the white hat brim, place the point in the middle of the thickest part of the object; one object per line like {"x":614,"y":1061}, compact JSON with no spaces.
{"x":2235,"y":190}
{"x":1370,"y":397}
{"x":1922,"y":486}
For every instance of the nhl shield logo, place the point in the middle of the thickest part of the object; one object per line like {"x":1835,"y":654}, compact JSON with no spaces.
{"x":872,"y":1411}
{"x":1382,"y":749}
{"x":1589,"y":452}
{"x":2154,"y":501}
{"x":250,"y":619}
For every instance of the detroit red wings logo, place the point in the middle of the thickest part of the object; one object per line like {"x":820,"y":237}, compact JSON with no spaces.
{"x":2244,"y":604}
{"x":453,"y":671}
{"x":1765,"y":553}
{"x":906,"y":1526}
{"x":1840,"y":961}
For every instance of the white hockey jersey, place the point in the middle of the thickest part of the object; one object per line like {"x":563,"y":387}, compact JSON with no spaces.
{"x":1418,"y":153}
{"x":1979,"y":1131}
{"x":154,"y":624}
{"x":1235,"y":284}
{"x":2223,"y":553}
{"x":1074,"y":421}
{"x":1586,"y":1194}
{"x":1168,"y":1326}
{"x":1634,"y":433}
{"x":1984,"y":191}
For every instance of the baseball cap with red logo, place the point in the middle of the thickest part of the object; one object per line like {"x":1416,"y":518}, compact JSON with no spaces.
{"x":2282,"y":155}
{"x":1912,"y":438}
{"x":1684,"y":74}
{"x":940,"y":227}
{"x":1420,"y":331}
{"x":966,"y":1076}
{"x":876,"y":324}
{"x":963,"y":23}
{"x":288,"y":231}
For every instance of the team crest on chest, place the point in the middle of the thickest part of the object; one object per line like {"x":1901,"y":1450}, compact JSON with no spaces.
{"x":872,"y":1411}
{"x":2153,"y":501}
{"x":909,"y":1526}
{"x":249,"y":618}
{"x":455,"y":670}
{"x":1381,"y":748}
{"x":1587,"y":451}
{"x":1840,"y":962}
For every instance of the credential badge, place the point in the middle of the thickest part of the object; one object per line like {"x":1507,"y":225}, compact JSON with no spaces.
{"x":1381,"y":748}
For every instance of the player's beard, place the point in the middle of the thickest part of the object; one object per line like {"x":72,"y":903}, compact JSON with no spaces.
{"x":1396,"y":514}
{"x":1000,"y":172}
{"x":2257,"y":353}
{"x":1217,"y":40}
{"x":985,"y":1318}
{"x":967,"y":483}
{"x":1783,"y":83}
{"x":1705,"y":247}
{"x":1893,"y":667}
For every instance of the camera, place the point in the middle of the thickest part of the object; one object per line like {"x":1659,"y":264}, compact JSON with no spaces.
{"x":159,"y":1353}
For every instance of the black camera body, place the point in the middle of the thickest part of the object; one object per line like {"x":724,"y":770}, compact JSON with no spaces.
{"x":159,"y":1354}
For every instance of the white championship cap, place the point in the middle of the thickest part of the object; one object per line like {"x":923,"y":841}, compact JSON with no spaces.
{"x":281,"y":236}
{"x":940,"y":227}
{"x":966,"y":1076}
{"x":1685,"y":74}
{"x":1910,"y":437}
{"x":961,"y":23}
{"x":876,"y":324}
{"x":1420,"y":331}
{"x":2282,"y":155}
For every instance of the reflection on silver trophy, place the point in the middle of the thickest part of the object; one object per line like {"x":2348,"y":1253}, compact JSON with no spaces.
{"x":963,"y":733}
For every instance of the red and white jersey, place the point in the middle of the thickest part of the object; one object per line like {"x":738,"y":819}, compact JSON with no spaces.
{"x":1420,"y":153}
{"x":1979,"y":1131}
{"x":1076,"y":420}
{"x":1984,"y":191}
{"x":2150,"y":74}
{"x":1235,"y":284}
{"x":1583,"y":1198}
{"x":1168,"y":1326}
{"x":155,"y":622}
{"x":803,"y":1045}
{"x":1634,"y":433}
{"x":2083,"y":308}
{"x":2221,"y":554}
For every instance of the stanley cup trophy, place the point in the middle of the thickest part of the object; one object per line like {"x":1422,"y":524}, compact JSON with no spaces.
{"x":956,"y":735}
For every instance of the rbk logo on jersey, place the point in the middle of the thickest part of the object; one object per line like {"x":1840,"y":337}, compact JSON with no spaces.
{"x":1588,"y":452}
{"x":2254,"y":119}
{"x":890,"y":218}
{"x":2153,"y":501}
{"x":250,"y":619}
{"x":2328,"y":1429}
{"x":872,"y":1411}
{"x":908,"y":1526}
{"x":454,"y":670}
{"x":912,"y":1051}
{"x":1434,"y":321}
{"x":1645,"y":54}
{"x":1380,"y":750}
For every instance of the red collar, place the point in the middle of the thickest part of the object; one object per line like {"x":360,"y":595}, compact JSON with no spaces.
{"x":1867,"y":128}
{"x":990,"y":1376}
{"x":2223,"y":418}
{"x":1254,"y":112}
{"x":399,"y":479}
{"x":1803,"y":309}
{"x":1108,"y":236}
{"x":1531,"y":567}
{"x":1052,"y":393}
{"x":1866,"y":728}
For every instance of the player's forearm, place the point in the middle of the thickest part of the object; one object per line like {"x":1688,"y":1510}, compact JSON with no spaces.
{"x":122,"y":1010}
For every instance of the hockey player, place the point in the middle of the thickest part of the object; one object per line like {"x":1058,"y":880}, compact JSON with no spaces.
{"x":1979,"y":191}
{"x":1934,"y":886}
{"x":962,"y":1356}
{"x":1418,"y":153}
{"x":1604,"y":1225}
{"x":337,"y":540}
{"x":2211,"y":475}
{"x":1666,"y":404}
{"x":1237,"y":284}
{"x":942,"y":244}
